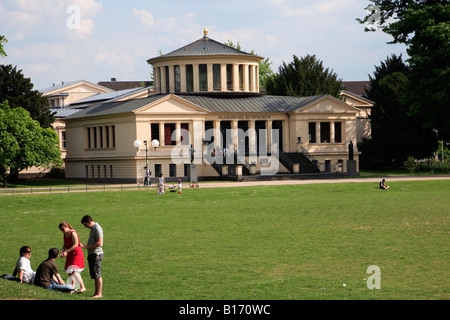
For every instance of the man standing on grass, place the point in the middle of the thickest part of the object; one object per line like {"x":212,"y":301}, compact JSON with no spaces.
{"x":95,"y":253}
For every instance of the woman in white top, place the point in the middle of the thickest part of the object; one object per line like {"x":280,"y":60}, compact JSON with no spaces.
{"x":23,"y":266}
{"x":161,"y":183}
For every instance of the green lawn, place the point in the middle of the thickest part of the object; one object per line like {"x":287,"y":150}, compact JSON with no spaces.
{"x":265,"y":243}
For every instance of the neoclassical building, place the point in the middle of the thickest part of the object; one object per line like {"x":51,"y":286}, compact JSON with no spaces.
{"x":207,"y":115}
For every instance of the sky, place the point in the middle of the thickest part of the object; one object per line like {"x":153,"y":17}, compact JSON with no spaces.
{"x":95,"y":40}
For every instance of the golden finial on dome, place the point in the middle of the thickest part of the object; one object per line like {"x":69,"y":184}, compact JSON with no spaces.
{"x":205,"y":32}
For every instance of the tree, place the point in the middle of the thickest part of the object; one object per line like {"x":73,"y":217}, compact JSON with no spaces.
{"x":304,"y":77}
{"x":396,"y":134}
{"x":265,"y":69}
{"x":2,"y":41}
{"x":424,"y":27}
{"x":19,"y":92}
{"x":24,"y":143}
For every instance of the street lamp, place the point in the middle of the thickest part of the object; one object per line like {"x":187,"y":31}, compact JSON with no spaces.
{"x":138,"y":143}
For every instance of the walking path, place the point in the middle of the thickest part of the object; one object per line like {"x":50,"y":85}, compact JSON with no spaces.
{"x":311,"y":181}
{"x":117,"y":187}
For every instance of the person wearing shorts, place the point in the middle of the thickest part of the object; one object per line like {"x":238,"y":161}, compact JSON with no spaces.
{"x":95,"y":253}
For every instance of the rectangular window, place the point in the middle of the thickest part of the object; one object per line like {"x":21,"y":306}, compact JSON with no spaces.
{"x":338,"y":132}
{"x":169,"y":128}
{"x":107,"y":128}
{"x":111,"y":171}
{"x":250,"y":78}
{"x":312,"y":132}
{"x":189,"y":78}
{"x":203,"y":77}
{"x":158,"y":79}
{"x":154,"y":128}
{"x":184,"y":134}
{"x":87,"y":171}
{"x":157,"y":170}
{"x":176,"y":71}
{"x":89,"y":137}
{"x":167,"y":79}
{"x":325,"y":132}
{"x":172,"y":170}
{"x":100,"y":130}
{"x":241,"y":77}
{"x":95,"y":137}
{"x":63,"y":136}
{"x":229,"y":77}
{"x":113,"y":136}
{"x":186,"y":169}
{"x":216,"y":78}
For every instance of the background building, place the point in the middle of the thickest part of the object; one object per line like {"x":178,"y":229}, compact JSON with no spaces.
{"x":207,"y":115}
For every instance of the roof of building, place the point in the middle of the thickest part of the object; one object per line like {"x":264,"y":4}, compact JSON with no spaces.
{"x":124,"y":85}
{"x":69,"y":84}
{"x":204,"y":46}
{"x":62,"y":112}
{"x":249,"y":104}
{"x":357,"y":87}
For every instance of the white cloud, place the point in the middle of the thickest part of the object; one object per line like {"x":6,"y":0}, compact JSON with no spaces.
{"x":144,"y":17}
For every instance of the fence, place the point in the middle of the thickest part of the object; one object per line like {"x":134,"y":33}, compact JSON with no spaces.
{"x":68,"y":189}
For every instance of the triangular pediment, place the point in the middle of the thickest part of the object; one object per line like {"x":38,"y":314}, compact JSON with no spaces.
{"x":355,"y":100}
{"x":327,"y":104}
{"x":171,"y":104}
{"x":76,"y":87}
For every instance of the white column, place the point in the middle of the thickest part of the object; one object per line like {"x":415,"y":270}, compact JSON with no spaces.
{"x":246,"y":77}
{"x":183,"y":78}
{"x":161,"y":134}
{"x":235,"y":77}
{"x":209,"y":73}
{"x":163,"y":79}
{"x":223,"y":77}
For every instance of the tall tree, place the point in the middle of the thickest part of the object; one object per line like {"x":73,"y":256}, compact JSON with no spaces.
{"x":24,"y":143}
{"x":396,"y":134}
{"x":304,"y":76}
{"x":424,"y":27}
{"x":2,"y":50}
{"x":19,"y":92}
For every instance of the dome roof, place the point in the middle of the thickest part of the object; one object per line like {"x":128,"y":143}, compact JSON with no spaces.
{"x":204,"y":47}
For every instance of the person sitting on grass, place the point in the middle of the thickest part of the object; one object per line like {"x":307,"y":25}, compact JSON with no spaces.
{"x":23,"y":266}
{"x":383,"y":185}
{"x":47,"y":274}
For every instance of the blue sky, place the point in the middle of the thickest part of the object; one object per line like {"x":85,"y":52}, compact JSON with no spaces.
{"x":95,"y":40}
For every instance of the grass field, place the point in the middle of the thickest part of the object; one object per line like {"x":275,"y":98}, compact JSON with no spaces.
{"x":253,"y":243}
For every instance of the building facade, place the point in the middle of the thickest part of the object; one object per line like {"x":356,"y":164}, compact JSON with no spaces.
{"x":207,"y":116}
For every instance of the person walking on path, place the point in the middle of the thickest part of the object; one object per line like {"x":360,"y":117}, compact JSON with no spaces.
{"x":94,"y":247}
{"x":147,"y":181}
